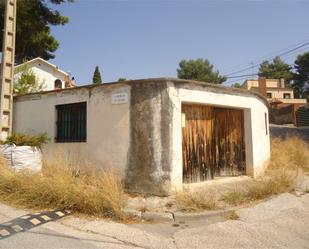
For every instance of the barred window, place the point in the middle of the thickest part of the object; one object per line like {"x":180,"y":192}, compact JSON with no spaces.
{"x":71,"y":122}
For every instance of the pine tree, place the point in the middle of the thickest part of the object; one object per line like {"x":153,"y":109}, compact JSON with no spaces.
{"x":201,"y":70}
{"x":301,"y":76}
{"x":33,"y":28}
{"x":96,"y":79}
{"x":276,"y":69}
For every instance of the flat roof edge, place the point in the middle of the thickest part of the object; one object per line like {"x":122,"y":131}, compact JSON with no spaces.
{"x":224,"y":89}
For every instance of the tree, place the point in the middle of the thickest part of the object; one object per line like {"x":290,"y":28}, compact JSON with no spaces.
{"x":27,"y":81}
{"x":96,"y":79}
{"x":301,"y":76}
{"x":236,"y":85}
{"x":33,"y":38}
{"x":200,"y":70}
{"x":277,"y":69}
{"x":122,"y":79}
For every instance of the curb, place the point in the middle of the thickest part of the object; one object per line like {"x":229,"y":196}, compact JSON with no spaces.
{"x":170,"y":216}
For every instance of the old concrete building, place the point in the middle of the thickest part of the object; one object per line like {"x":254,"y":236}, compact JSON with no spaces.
{"x":157,"y":133}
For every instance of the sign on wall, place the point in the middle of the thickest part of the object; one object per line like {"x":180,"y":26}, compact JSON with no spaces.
{"x":119,"y":98}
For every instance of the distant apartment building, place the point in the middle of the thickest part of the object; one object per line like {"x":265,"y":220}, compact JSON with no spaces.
{"x":283,"y":106}
{"x":274,"y":90}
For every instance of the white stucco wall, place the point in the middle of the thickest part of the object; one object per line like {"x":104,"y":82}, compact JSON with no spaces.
{"x":46,"y":74}
{"x":257,"y":142}
{"x":107,"y":124}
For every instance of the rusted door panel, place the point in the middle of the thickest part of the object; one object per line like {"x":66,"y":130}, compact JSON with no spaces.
{"x":212,"y":143}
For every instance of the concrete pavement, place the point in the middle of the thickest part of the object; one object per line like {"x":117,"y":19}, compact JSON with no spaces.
{"x":282,"y":222}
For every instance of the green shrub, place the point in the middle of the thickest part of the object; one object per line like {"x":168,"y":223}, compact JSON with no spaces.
{"x":28,"y":140}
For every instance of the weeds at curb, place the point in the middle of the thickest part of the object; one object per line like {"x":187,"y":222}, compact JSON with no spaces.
{"x":92,"y":193}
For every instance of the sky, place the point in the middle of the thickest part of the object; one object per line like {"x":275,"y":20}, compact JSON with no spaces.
{"x":147,"y":39}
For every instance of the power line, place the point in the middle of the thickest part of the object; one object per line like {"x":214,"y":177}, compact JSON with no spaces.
{"x":280,"y":55}
{"x":240,"y":77}
{"x":299,"y":45}
{"x":291,"y":50}
{"x":252,"y":74}
{"x":269,"y":55}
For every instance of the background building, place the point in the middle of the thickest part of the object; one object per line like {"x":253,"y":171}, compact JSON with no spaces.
{"x":49,"y":75}
{"x":274,"y":90}
{"x":283,"y":105}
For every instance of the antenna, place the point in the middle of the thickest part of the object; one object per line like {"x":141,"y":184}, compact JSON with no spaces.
{"x":7,"y":69}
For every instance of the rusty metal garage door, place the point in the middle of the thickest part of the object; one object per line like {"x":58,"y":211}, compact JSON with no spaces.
{"x":212,"y":142}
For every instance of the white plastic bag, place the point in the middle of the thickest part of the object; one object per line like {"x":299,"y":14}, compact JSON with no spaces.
{"x":22,"y":157}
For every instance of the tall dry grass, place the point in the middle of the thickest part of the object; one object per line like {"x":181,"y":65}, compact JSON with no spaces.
{"x":289,"y":159}
{"x":60,"y":186}
{"x":264,"y":187}
{"x":289,"y":154}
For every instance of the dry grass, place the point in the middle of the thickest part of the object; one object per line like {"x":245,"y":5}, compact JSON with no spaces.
{"x":289,"y":154}
{"x":92,"y":193}
{"x":231,"y":215}
{"x":196,"y":200}
{"x":289,"y":158}
{"x":279,"y":182}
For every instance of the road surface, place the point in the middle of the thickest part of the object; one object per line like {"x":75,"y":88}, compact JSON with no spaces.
{"x":282,"y":222}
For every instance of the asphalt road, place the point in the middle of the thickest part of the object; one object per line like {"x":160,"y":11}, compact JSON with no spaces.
{"x":282,"y":222}
{"x":31,"y":231}
{"x":44,"y":238}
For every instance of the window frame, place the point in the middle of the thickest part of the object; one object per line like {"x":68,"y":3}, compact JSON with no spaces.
{"x":269,"y":95}
{"x":287,"y":94}
{"x":56,"y":83}
{"x":76,"y":128}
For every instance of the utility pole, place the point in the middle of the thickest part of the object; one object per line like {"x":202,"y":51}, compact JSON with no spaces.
{"x":7,"y":69}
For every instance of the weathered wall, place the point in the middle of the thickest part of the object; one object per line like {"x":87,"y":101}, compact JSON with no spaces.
{"x":256,"y":130}
{"x":142,"y":138}
{"x":108,"y":130}
{"x":150,"y":157}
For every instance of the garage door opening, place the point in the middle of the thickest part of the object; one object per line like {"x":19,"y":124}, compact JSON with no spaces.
{"x":212,"y":142}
